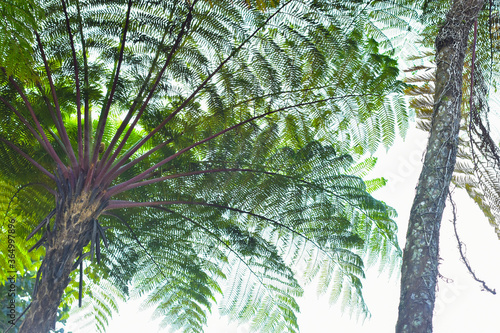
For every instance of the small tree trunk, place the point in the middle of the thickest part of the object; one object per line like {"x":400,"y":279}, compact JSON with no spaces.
{"x":73,"y":229}
{"x":420,"y":258}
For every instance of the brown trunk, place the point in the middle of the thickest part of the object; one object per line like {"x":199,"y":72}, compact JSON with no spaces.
{"x":64,"y":245}
{"x":420,"y":258}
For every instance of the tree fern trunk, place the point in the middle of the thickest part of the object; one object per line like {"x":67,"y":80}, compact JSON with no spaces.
{"x":420,"y":258}
{"x":72,"y":231}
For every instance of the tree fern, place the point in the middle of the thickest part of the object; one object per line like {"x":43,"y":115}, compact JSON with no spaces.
{"x":190,"y":144}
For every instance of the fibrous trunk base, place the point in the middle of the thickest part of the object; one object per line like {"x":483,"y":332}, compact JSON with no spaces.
{"x":71,"y":232}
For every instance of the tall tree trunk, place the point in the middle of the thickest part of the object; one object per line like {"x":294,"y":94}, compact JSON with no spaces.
{"x":72,"y":230}
{"x":420,"y":258}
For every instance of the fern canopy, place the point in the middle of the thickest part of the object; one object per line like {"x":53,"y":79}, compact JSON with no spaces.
{"x":219,"y":141}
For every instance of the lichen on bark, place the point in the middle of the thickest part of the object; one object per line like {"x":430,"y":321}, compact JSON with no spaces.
{"x":420,"y":258}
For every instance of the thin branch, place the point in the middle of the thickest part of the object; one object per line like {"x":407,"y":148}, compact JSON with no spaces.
{"x":75,"y":62}
{"x":195,"y":92}
{"x":199,"y":172}
{"x":303,"y":181}
{"x":101,"y":177}
{"x":104,"y":114}
{"x":113,"y":172}
{"x":59,"y":141}
{"x":184,"y":28}
{"x":50,"y":108}
{"x":461,"y":248}
{"x":58,"y":121}
{"x":279,"y":93}
{"x":132,"y":108}
{"x":86,"y":98}
{"x":45,"y":142}
{"x":118,"y":204}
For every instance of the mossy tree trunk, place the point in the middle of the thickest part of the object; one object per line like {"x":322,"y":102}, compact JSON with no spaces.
{"x":420,"y":258}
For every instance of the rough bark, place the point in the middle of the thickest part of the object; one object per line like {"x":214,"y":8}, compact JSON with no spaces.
{"x":420,"y":258}
{"x":64,"y":244}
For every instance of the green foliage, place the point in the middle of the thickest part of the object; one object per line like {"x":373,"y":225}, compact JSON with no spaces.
{"x":23,"y":288}
{"x":16,"y":34}
{"x":222,"y":231}
{"x":100,"y":302}
{"x":248,"y":186}
{"x":15,"y":260}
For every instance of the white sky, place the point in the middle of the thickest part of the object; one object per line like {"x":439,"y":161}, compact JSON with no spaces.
{"x":461,"y":306}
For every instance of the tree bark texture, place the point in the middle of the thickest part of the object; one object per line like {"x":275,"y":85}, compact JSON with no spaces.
{"x":72,"y":231}
{"x":420,"y":257}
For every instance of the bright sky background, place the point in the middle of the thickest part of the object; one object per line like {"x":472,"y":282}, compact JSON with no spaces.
{"x":461,"y":306}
